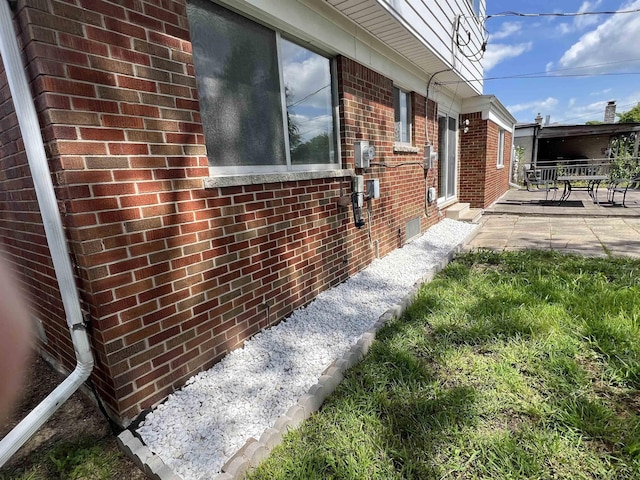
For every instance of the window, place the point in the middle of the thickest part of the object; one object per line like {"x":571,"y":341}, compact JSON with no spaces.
{"x":475,"y":4}
{"x":500,"y":147}
{"x":402,"y":115}
{"x":266,"y":102}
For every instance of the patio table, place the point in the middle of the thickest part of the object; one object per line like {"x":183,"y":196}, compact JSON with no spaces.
{"x":593,"y":182}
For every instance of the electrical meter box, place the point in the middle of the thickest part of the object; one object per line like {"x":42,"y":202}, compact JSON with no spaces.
{"x":373,"y":188}
{"x":364,"y":153}
{"x":430,"y":156}
{"x":431,"y":194}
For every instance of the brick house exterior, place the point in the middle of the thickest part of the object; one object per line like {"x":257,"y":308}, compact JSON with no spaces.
{"x":176,"y":267}
{"x":482,"y":179}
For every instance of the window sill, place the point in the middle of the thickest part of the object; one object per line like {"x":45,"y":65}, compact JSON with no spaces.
{"x":404,"y":148}
{"x":499,"y":167}
{"x":258,"y":179}
{"x":448,"y":202}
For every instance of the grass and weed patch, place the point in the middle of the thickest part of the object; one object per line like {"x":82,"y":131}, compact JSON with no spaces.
{"x":84,"y":458}
{"x":511,"y":365}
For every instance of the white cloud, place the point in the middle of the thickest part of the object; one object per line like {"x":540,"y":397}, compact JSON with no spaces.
{"x":498,"y":52}
{"x":309,"y":127}
{"x":548,"y":66}
{"x":614,"y":40}
{"x":577,"y":114}
{"x":581,"y":113}
{"x":601,"y":92}
{"x":584,"y":21}
{"x":581,"y":22}
{"x":535,"y":107}
{"x":307,"y":76}
{"x":507,"y":29}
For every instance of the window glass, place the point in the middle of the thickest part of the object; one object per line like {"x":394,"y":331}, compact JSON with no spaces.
{"x":402,"y":115}
{"x":447,"y":156}
{"x":246,"y":74}
{"x":307,"y":86}
{"x":238,"y":86}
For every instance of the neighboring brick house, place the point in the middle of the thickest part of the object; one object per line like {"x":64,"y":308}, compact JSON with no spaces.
{"x":203,"y":156}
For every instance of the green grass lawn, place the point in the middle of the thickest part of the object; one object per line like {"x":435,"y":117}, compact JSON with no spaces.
{"x":515,"y":365}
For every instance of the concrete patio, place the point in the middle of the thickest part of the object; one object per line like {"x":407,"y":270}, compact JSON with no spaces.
{"x":523,"y":202}
{"x":520,"y":221}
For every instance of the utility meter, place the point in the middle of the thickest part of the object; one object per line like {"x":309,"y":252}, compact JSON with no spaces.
{"x":364,"y":153}
{"x":431,"y":194}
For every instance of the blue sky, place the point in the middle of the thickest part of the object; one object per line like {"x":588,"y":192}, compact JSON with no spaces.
{"x":558,"y":46}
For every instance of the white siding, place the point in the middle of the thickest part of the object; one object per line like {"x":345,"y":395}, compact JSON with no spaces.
{"x":425,"y":32}
{"x":383,"y":41}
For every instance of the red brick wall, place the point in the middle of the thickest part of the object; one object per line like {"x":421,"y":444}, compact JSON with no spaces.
{"x":497,"y":179}
{"x":175,"y":276}
{"x":473,"y":160}
{"x":481,"y":181}
{"x":367,"y":114}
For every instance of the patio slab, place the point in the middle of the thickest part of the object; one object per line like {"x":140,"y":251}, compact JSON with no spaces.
{"x":523,"y":202}
{"x":592,"y":236}
{"x":522,"y":219}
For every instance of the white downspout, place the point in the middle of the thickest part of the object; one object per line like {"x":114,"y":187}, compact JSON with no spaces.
{"x":34,"y":147}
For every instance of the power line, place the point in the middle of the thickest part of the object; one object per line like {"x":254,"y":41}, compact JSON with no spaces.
{"x":593,"y":65}
{"x":308,"y":96}
{"x":560,"y":14}
{"x":546,"y":74}
{"x":595,"y":113}
{"x":521,"y":77}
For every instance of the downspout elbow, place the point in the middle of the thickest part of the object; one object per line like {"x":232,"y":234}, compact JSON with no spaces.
{"x":22,"y":432}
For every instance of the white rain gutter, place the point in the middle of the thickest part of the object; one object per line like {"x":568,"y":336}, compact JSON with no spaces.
{"x":34,"y":147}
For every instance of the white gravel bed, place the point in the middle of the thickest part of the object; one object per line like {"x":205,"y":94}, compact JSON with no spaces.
{"x":202,"y":425}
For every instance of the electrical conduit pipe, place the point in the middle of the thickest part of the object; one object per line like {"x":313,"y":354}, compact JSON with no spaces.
{"x":36,"y":156}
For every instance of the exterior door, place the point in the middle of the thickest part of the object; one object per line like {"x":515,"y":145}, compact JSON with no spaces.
{"x":447,"y":156}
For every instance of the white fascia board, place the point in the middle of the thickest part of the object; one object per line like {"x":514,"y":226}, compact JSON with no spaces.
{"x":492,"y":109}
{"x":524,"y":132}
{"x":499,"y":120}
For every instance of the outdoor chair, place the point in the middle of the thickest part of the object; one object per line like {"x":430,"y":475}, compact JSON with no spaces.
{"x":622,"y":186}
{"x":545,"y":177}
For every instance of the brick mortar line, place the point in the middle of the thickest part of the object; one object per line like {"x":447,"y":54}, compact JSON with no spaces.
{"x":253,"y":452}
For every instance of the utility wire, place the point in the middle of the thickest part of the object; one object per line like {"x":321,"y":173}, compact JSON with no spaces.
{"x":308,"y":96}
{"x":543,"y":74}
{"x":594,"y":65}
{"x":520,"y":77}
{"x":403,"y":164}
{"x":633,"y":104}
{"x":560,"y":14}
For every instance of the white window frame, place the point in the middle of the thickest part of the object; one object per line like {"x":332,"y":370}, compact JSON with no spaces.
{"x":500,"y":161}
{"x":409,"y":120}
{"x":335,"y":164}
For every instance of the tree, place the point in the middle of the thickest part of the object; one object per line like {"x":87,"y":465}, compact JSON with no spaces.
{"x":630,"y":116}
{"x":594,"y":122}
{"x":294,"y":130}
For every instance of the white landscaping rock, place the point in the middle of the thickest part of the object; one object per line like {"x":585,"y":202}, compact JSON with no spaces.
{"x":202,"y":425}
